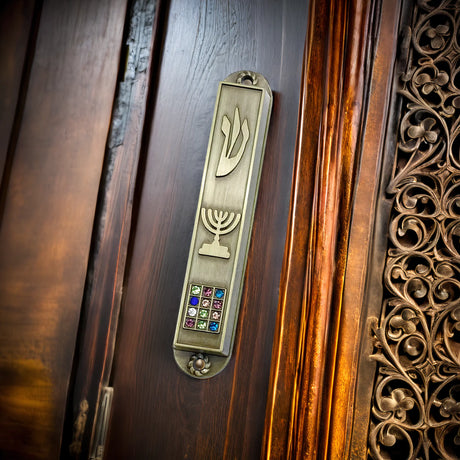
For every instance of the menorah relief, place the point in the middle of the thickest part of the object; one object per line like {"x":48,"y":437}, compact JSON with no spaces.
{"x":219,"y":223}
{"x":214,"y":277}
{"x":228,"y":163}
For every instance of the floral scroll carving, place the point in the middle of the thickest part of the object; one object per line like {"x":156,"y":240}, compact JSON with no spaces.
{"x":415,"y":411}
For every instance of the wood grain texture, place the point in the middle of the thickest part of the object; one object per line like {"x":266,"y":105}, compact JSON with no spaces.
{"x":103,"y":291}
{"x":158,"y":411}
{"x":351,"y":399}
{"x":48,"y":215}
{"x":332,"y":112}
{"x":16,"y":19}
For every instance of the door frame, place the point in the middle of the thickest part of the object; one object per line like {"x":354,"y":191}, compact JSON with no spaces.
{"x":349,"y":51}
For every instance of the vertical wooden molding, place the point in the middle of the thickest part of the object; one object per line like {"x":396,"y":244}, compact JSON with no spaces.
{"x":350,"y":401}
{"x":332,"y":110}
{"x":112,"y":228}
{"x":62,"y":106}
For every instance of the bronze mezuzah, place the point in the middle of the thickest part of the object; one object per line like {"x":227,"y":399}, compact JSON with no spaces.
{"x":218,"y":251}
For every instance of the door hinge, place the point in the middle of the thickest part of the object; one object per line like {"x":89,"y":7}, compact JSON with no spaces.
{"x":102,"y":425}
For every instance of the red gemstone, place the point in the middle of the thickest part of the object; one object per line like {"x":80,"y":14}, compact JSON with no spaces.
{"x":217,"y":304}
{"x":189,"y":322}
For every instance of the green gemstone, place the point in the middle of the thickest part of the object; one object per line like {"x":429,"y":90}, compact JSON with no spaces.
{"x":196,"y":290}
{"x":204,"y":313}
{"x":201,"y":324}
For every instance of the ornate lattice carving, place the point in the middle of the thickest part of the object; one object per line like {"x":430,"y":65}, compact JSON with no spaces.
{"x":415,"y":410}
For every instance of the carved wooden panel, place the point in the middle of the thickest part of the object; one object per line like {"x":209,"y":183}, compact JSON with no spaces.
{"x":415,"y":409}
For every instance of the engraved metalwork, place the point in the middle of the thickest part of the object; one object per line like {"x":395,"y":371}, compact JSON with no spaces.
{"x":227,"y":162}
{"x":199,"y":365}
{"x":225,"y":210}
{"x":219,"y":223}
{"x":415,"y":410}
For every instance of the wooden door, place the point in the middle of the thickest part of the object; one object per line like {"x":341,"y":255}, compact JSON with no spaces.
{"x":158,"y":411}
{"x":106,"y":112}
{"x":59,"y":64}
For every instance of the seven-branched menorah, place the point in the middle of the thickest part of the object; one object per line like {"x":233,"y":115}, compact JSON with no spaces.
{"x":219,"y":223}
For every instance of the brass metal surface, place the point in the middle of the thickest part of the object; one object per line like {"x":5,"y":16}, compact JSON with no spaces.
{"x":223,"y":223}
{"x":102,"y":425}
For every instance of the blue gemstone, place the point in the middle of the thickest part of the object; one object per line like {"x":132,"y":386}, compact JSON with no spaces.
{"x":213,"y":326}
{"x":219,"y":293}
{"x":194,"y":300}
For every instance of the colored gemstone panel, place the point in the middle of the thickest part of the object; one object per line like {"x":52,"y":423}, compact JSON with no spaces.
{"x":198,"y":310}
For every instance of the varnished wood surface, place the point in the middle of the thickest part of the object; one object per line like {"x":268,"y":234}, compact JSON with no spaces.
{"x":48,"y":216}
{"x":351,"y":399}
{"x":16,"y":18}
{"x":159,"y":412}
{"x":334,"y":93}
{"x":103,"y":290}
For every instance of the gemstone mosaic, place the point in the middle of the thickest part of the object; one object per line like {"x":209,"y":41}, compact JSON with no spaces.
{"x":204,"y":309}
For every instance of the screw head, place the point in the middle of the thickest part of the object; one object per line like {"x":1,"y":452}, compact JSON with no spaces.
{"x":199,"y":364}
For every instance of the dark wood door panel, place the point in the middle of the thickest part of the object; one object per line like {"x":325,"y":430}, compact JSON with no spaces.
{"x":16,"y":19}
{"x":50,"y":193}
{"x":159,"y":412}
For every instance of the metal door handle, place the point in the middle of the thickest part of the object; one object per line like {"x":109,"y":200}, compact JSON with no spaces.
{"x":218,"y":252}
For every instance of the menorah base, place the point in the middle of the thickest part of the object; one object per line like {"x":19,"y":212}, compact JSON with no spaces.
{"x":214,"y":250}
